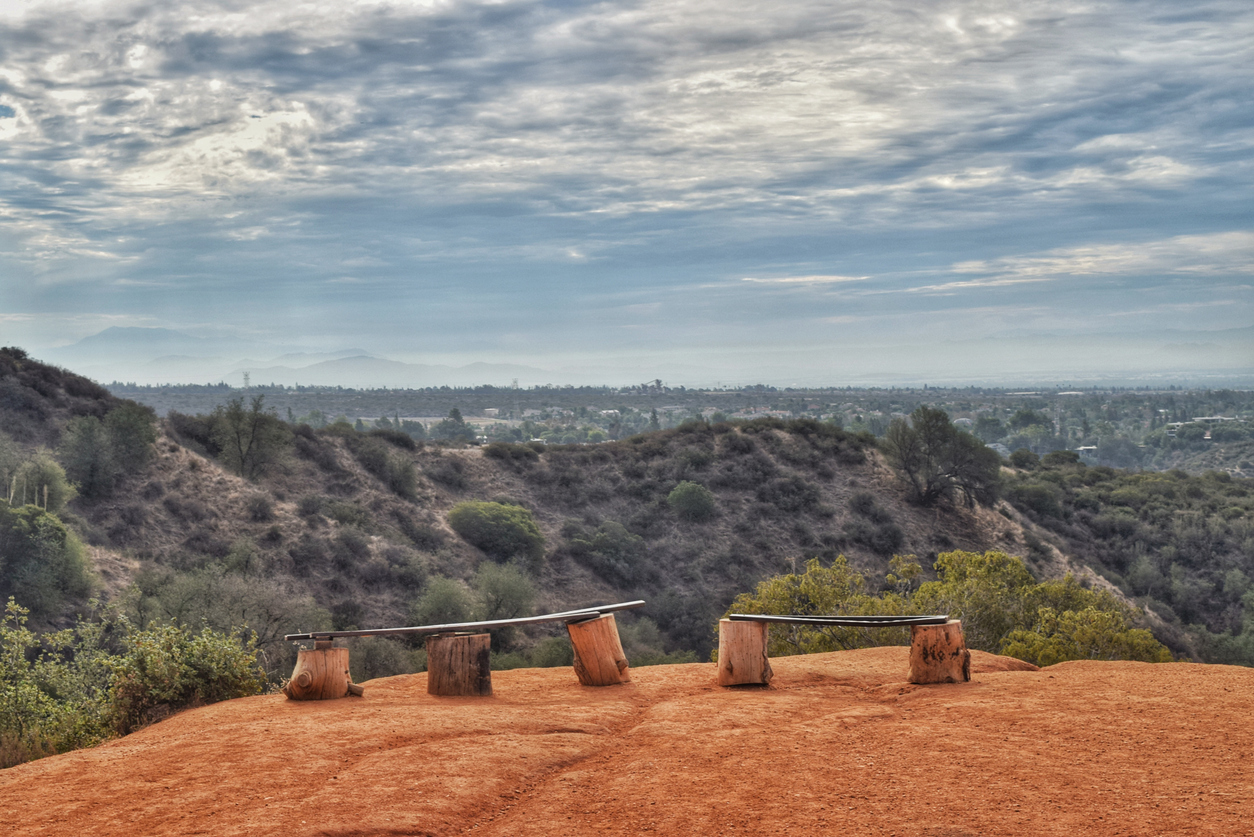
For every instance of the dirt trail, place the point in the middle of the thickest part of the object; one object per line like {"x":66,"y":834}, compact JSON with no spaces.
{"x":840,"y":744}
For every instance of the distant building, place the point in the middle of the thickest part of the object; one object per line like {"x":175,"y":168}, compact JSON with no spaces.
{"x":1002,"y":450}
{"x":491,"y":412}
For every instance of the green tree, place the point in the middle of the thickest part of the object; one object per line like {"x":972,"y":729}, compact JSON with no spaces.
{"x":88,"y":457}
{"x":938,"y":460}
{"x":446,"y":601}
{"x":505,"y":591}
{"x":41,"y":481}
{"x":501,"y":530}
{"x":454,"y":428}
{"x":251,"y":439}
{"x":132,"y":431}
{"x":41,"y":562}
{"x":691,"y":501}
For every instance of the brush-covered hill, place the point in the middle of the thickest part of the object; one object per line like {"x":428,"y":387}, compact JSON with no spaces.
{"x":838,"y":744}
{"x":336,"y":528}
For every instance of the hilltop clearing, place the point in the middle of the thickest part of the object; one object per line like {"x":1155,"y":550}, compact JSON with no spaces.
{"x":839,"y":743}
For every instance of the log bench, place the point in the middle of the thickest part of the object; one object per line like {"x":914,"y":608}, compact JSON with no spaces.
{"x":938,"y":652}
{"x":458,"y":654}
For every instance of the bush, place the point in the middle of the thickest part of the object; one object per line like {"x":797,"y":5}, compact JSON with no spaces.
{"x":395,"y":471}
{"x":259,"y":508}
{"x":611,"y":551}
{"x":165,"y":669}
{"x":41,"y":482}
{"x":42,"y":563}
{"x":1088,"y":634}
{"x":502,"y":531}
{"x":444,"y":602}
{"x":691,"y":501}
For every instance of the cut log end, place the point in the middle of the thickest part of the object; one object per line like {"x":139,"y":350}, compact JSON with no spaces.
{"x":938,"y":654}
{"x":320,"y":674}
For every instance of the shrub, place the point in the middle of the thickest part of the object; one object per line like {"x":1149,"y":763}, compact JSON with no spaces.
{"x":445,"y":601}
{"x":502,"y":531}
{"x":506,"y":452}
{"x":41,"y":562}
{"x":41,"y":482}
{"x":395,"y":471}
{"x":789,"y":494}
{"x":1088,"y":634}
{"x":165,"y":669}
{"x":611,"y":551}
{"x":1042,"y":498}
{"x":259,"y":508}
{"x":691,"y":501}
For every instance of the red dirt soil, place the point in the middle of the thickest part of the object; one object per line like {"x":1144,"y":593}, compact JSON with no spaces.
{"x":839,"y":744}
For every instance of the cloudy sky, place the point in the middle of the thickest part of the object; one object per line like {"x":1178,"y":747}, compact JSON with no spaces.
{"x":698,"y":189}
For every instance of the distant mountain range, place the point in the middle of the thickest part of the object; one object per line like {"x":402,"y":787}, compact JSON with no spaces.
{"x":161,"y":355}
{"x":1223,"y":358}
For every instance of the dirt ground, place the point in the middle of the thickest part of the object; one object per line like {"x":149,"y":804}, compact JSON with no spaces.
{"x":839,"y":744}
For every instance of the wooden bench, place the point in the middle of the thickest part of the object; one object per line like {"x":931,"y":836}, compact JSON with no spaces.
{"x":938,"y":652}
{"x":458,"y":655}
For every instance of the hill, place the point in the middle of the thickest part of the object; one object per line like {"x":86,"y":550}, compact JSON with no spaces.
{"x":839,"y":744}
{"x":346,"y":529}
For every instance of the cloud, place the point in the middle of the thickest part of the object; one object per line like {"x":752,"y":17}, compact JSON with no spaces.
{"x":806,"y":280}
{"x":547,"y":155}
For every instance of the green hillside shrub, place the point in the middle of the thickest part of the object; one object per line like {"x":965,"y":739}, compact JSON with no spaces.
{"x":1002,"y":608}
{"x":445,"y":601}
{"x":42,"y":563}
{"x":691,"y":501}
{"x":165,"y":669}
{"x":41,"y":481}
{"x":611,"y":551}
{"x":502,"y":531}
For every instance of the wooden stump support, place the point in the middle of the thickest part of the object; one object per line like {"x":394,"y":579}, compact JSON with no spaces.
{"x":321,"y":674}
{"x":938,"y":654}
{"x":742,"y":654}
{"x":599,"y":656}
{"x":459,"y":665}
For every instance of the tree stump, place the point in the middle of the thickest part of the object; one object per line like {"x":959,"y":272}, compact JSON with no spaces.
{"x":742,"y":655}
{"x":321,"y":674}
{"x":938,"y":654}
{"x":459,"y":665}
{"x":599,"y":657}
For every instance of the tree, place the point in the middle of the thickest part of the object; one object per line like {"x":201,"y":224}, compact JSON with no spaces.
{"x":88,"y":457}
{"x":41,"y":562}
{"x":132,"y":430}
{"x":252,"y":439}
{"x":40,"y":481}
{"x":454,"y":428}
{"x":444,"y":602}
{"x":940,"y":461}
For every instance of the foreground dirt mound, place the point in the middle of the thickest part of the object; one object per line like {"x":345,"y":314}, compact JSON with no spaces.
{"x":838,"y":744}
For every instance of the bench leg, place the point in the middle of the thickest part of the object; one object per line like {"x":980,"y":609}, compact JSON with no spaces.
{"x":938,"y":654}
{"x":599,"y":657}
{"x":459,"y":665}
{"x":742,"y":655}
{"x":320,"y":674}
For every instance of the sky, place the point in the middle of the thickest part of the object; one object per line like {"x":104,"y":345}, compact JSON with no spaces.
{"x":708,"y":191}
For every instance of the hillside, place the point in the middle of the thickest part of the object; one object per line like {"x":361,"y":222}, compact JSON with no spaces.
{"x":838,"y":744}
{"x":345,"y":529}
